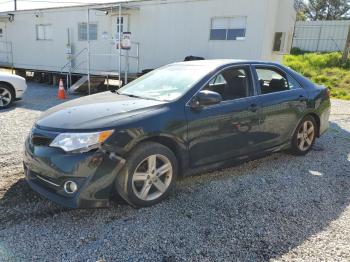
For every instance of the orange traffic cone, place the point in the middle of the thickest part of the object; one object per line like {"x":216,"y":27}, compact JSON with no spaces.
{"x":61,"y":93}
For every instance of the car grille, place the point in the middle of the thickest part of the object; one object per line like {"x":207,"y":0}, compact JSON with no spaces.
{"x":38,"y":140}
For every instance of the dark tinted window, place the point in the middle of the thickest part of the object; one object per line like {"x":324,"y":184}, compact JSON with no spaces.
{"x":233,"y":34}
{"x":233,"y":83}
{"x":218,"y":34}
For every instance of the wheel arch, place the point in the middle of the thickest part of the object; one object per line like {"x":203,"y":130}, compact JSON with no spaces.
{"x":175,"y":146}
{"x":9,"y":85}
{"x":317,"y":120}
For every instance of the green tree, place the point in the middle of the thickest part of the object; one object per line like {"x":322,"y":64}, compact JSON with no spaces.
{"x":323,"y":9}
{"x":299,"y":7}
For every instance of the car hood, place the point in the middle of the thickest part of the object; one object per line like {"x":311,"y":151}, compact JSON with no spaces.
{"x":98,"y":111}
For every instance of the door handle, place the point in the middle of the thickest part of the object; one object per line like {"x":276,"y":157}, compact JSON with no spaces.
{"x":302,"y":98}
{"x":253,"y":107}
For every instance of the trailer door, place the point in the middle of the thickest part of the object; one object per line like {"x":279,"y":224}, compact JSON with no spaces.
{"x":5,"y":47}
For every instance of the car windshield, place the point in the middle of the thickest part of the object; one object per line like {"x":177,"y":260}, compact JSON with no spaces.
{"x":167,"y":83}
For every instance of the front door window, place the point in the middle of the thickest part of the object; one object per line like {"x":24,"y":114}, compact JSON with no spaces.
{"x":233,"y":83}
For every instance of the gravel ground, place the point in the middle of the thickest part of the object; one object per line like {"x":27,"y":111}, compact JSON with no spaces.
{"x":278,"y":208}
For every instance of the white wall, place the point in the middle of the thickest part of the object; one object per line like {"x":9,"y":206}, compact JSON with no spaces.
{"x":51,"y":54}
{"x":167,"y":32}
{"x":170,"y":32}
{"x":285,"y":22}
{"x":185,"y":30}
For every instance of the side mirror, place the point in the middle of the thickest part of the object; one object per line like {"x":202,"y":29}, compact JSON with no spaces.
{"x":206,"y":98}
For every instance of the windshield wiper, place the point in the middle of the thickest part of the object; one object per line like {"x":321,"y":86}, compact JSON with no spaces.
{"x":140,"y":97}
{"x":131,"y":95}
{"x":135,"y":96}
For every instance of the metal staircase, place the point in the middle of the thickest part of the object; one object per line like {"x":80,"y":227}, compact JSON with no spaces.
{"x":73,"y":88}
{"x":68,"y":68}
{"x":90,"y":79}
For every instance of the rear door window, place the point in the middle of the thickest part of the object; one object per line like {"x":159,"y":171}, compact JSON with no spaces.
{"x":272,"y":80}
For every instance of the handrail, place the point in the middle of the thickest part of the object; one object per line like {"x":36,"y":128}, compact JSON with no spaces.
{"x":72,"y":68}
{"x":77,"y":66}
{"x":73,"y":57}
{"x":137,"y":57}
{"x":69,"y":63}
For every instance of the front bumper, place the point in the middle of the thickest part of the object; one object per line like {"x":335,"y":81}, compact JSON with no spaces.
{"x":20,"y":88}
{"x":20,"y":93}
{"x":47,"y":169}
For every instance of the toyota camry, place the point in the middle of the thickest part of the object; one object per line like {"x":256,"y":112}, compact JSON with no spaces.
{"x":178,"y":120}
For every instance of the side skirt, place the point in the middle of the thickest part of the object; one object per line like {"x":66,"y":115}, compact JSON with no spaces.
{"x":235,"y":161}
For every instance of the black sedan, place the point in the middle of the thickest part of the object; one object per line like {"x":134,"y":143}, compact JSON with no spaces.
{"x":181,"y":119}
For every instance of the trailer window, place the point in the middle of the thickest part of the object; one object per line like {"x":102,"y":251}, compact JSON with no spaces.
{"x":82,"y":31}
{"x":232,"y":28}
{"x":43,"y":32}
{"x":120,"y":23}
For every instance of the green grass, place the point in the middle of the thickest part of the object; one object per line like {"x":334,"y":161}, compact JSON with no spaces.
{"x":324,"y":69}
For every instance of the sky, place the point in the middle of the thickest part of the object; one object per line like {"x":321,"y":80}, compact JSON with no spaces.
{"x":8,"y":5}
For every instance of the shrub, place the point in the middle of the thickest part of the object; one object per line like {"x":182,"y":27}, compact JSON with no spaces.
{"x":324,"y":69}
{"x":298,"y":51}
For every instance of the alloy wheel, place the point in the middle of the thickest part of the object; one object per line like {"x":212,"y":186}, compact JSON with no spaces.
{"x":5,"y":97}
{"x":306,"y":135}
{"x":152,"y":177}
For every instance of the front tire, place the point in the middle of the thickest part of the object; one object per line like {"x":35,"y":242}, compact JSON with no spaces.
{"x":6,"y":96}
{"x":149,"y":175}
{"x":304,"y":136}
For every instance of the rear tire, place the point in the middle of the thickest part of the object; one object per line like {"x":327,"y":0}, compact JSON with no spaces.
{"x":304,"y":136}
{"x":7,"y":96}
{"x":148,"y":176}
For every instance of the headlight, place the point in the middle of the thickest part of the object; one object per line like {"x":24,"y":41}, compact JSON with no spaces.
{"x":81,"y":142}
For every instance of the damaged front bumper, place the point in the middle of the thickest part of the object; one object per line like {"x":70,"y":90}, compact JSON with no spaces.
{"x":48,"y":169}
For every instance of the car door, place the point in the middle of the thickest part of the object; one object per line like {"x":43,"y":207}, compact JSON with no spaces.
{"x":228,"y":129}
{"x":283,"y":101}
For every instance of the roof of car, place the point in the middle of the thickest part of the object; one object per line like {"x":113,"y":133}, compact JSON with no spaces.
{"x":222,"y":62}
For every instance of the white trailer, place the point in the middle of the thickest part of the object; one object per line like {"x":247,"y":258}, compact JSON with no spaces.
{"x":162,"y":32}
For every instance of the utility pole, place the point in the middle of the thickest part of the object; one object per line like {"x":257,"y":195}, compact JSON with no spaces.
{"x":346,"y":49}
{"x":15,"y":2}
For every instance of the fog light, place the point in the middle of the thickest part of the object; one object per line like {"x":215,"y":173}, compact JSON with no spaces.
{"x":70,"y":187}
